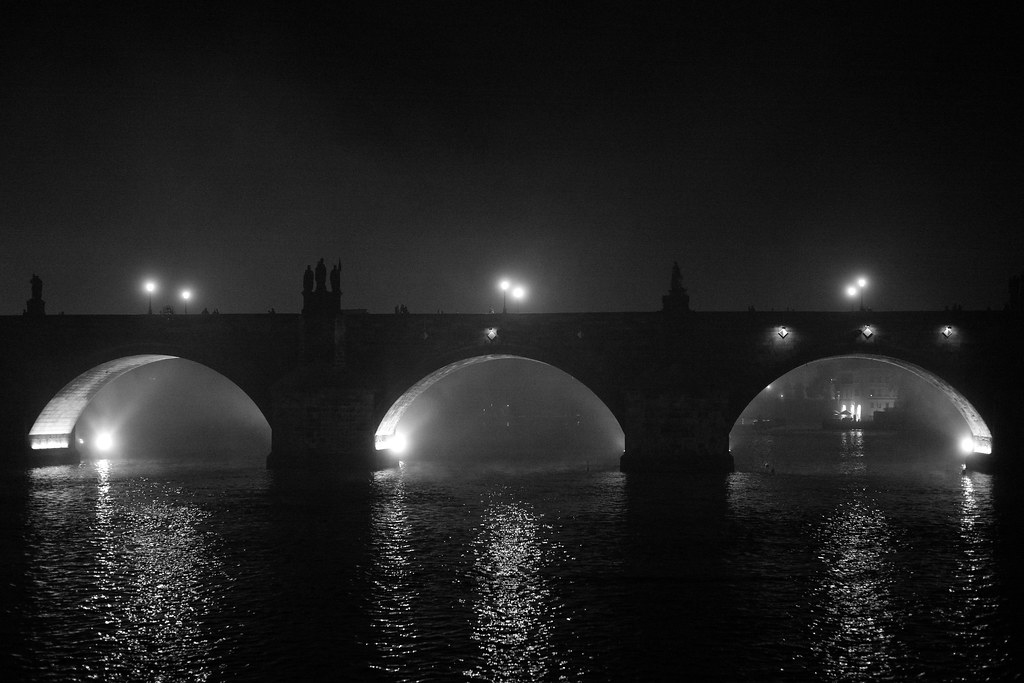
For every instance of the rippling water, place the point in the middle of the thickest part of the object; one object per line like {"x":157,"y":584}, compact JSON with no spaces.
{"x":831,"y":557}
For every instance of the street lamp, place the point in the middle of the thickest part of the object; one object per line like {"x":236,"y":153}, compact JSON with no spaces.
{"x":504,"y":295}
{"x":853,"y":290}
{"x":186,"y":294}
{"x":518,"y":293}
{"x":150,"y":287}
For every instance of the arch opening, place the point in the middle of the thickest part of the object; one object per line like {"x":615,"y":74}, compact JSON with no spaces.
{"x":501,"y":406}
{"x":868,"y":391}
{"x":173,"y":406}
{"x":55,"y":426}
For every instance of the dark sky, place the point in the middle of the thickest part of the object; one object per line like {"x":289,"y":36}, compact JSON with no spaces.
{"x":776,"y":151}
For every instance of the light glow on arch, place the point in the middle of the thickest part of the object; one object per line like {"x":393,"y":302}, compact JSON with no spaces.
{"x":389,"y":437}
{"x":386,"y":435}
{"x":55,"y":424}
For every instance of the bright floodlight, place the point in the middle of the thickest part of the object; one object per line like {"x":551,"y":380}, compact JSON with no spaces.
{"x":104,"y":441}
{"x":150,"y":286}
{"x":186,"y":294}
{"x":504,"y":285}
{"x":851,"y":291}
{"x":518,"y":292}
{"x":861,"y":282}
{"x":967,"y":445}
{"x":397,"y":444}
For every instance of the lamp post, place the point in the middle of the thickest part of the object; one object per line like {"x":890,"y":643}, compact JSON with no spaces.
{"x":150,"y":287}
{"x":186,"y":294}
{"x":504,"y":296}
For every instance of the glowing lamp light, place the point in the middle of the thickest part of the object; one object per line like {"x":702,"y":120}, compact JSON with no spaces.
{"x":782,"y":331}
{"x":867,"y":331}
{"x":492,"y":333}
{"x":946,"y":331}
{"x":851,"y":291}
{"x":150,"y":287}
{"x":397,"y":444}
{"x":967,"y":445}
{"x":104,"y":441}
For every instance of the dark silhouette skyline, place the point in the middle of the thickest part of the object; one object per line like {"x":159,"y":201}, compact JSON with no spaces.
{"x":776,"y":152}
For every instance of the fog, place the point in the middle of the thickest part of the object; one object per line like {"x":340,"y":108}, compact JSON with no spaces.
{"x":175,"y":409}
{"x":511,"y":414}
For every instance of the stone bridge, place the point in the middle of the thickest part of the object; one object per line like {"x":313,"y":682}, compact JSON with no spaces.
{"x":333,"y":384}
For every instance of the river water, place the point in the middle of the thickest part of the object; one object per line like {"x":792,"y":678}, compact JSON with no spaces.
{"x":824,"y":557}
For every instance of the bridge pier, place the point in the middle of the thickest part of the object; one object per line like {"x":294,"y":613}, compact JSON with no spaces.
{"x":319,"y":421}
{"x":671,"y":431}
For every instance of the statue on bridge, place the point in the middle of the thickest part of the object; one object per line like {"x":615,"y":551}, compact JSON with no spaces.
{"x":336,"y":277}
{"x":677,"y":300}
{"x":307,"y":280}
{"x":676,"y":284}
{"x":36,"y":305}
{"x":321,"y":276}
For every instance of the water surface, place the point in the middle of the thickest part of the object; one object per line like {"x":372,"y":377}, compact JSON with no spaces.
{"x":846,"y":558}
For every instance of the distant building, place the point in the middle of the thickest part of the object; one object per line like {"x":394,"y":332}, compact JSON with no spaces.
{"x":859,"y":394}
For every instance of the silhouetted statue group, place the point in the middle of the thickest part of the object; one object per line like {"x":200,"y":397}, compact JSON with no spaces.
{"x":319,"y":277}
{"x":315,"y":297}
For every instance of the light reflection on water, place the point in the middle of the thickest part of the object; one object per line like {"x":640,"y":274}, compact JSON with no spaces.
{"x":142,"y":582}
{"x":392,"y":586}
{"x":974,"y":591}
{"x":851,"y":452}
{"x":515,"y":606}
{"x":855,"y":635}
{"x":902,"y":583}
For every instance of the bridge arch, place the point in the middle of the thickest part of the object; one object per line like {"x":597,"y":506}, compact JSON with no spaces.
{"x":54,"y":427}
{"x":980,"y":434}
{"x":387,"y":435}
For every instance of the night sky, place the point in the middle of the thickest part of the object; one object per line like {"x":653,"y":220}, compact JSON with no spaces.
{"x":776,"y":151}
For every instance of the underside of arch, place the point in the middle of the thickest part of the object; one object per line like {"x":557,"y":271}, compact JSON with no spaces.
{"x":981,"y":435}
{"x":56,"y":423}
{"x":386,"y":435}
